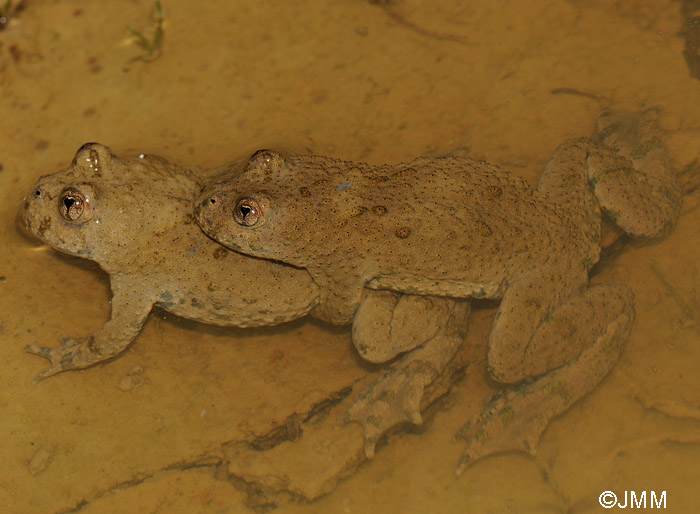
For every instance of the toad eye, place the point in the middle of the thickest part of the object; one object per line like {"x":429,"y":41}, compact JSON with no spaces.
{"x":73,"y":205}
{"x":248,"y":212}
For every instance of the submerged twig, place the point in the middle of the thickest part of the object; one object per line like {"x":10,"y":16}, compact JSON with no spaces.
{"x":688,"y":311}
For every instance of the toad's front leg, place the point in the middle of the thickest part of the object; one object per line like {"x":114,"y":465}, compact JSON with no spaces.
{"x":579,"y":341}
{"x":340,"y":294}
{"x":130,"y":307}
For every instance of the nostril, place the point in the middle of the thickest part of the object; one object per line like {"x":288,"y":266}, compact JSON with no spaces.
{"x":212,"y":201}
{"x":37,"y":193}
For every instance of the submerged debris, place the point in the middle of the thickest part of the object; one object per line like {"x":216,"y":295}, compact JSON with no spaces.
{"x":9,"y":11}
{"x":151,"y":48}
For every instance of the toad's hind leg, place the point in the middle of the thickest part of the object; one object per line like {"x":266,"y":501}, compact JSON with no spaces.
{"x":632,"y":175}
{"x":388,"y":323}
{"x":435,"y":327}
{"x":626,"y":173}
{"x":520,"y":343}
{"x":597,"y":323}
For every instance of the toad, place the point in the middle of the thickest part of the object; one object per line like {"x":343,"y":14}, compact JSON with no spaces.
{"x":456,"y":227}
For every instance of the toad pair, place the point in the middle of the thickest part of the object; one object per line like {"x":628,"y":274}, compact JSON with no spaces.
{"x":379,"y":246}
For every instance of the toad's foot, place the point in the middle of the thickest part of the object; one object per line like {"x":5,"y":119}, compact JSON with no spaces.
{"x":516,"y":419}
{"x":392,"y":399}
{"x":395,"y":397}
{"x":72,"y":354}
{"x":512,"y":421}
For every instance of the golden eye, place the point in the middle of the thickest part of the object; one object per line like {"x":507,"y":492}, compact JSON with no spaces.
{"x":73,"y":205}
{"x":248,"y":212}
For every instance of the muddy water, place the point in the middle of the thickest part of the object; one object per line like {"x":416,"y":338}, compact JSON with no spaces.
{"x":155,"y":430}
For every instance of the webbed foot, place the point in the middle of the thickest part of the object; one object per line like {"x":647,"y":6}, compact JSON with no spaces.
{"x":512,"y":421}
{"x":392,"y":399}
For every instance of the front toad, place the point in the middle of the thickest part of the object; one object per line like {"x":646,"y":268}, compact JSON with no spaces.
{"x":134,"y":218}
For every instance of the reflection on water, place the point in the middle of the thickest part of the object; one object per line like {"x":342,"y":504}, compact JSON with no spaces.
{"x":168,"y":426}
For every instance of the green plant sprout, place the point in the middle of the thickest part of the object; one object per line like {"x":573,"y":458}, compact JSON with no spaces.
{"x":5,"y":14}
{"x":152,"y":47}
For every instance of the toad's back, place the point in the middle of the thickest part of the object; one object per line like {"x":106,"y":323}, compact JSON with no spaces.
{"x":447,"y":226}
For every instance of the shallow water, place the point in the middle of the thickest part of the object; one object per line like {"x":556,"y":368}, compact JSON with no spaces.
{"x":155,"y":429}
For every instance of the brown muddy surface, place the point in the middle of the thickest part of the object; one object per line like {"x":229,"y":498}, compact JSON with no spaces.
{"x":168,"y":426}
